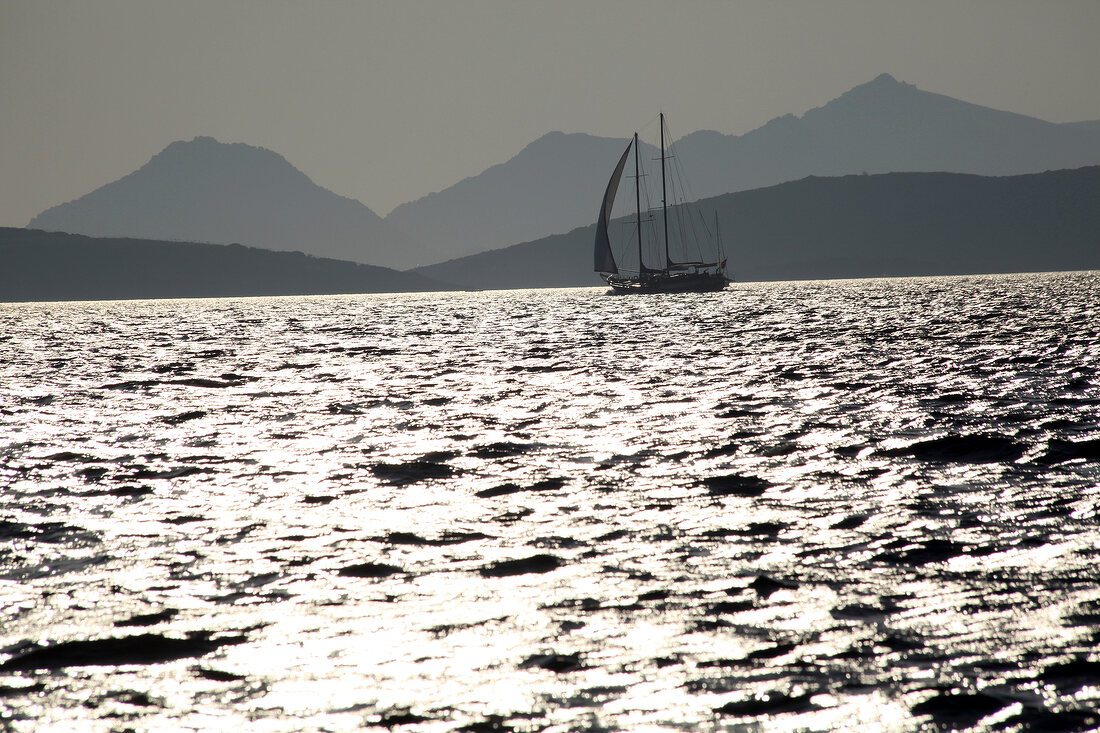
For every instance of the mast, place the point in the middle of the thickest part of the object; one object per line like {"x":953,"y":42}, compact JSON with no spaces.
{"x":664,"y":194}
{"x":718,"y":240}
{"x":638,"y":203}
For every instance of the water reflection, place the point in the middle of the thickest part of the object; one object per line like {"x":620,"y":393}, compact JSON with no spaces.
{"x":788,"y":506}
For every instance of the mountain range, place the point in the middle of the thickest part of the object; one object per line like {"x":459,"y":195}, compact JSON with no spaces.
{"x":836,"y":227}
{"x":879,"y":127}
{"x":204,"y":190}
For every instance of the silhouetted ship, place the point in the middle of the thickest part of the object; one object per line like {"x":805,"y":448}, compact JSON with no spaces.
{"x":691,"y":272}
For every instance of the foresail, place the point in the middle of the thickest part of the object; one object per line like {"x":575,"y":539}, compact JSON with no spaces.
{"x":604,"y":258}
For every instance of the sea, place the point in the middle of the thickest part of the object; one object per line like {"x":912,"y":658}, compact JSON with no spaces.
{"x":800,"y":506}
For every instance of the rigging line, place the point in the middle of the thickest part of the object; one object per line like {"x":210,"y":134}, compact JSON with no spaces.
{"x":679,"y":187}
{"x":686,"y":188}
{"x":685,"y":184}
{"x":648,"y":126}
{"x":693,"y":233}
{"x":699,"y":219}
{"x":695,"y":238}
{"x":690,"y":239}
{"x":682,"y":231}
{"x":653,"y":243}
{"x":649,"y":218}
{"x":689,"y":213}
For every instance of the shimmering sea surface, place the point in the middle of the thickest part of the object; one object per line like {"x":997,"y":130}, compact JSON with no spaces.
{"x":790,"y":506}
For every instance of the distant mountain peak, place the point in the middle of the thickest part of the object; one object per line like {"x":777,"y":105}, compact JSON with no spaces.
{"x":552,"y":141}
{"x":882,"y":82}
{"x":202,"y":142}
{"x":208,"y":147}
{"x":882,"y":86}
{"x":204,"y":190}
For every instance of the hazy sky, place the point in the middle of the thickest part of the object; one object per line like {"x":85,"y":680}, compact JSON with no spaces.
{"x":388,"y":101}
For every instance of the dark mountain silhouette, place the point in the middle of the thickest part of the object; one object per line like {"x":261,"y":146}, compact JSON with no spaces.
{"x":893,"y":224}
{"x":884,"y":125}
{"x":40,"y":265}
{"x":207,"y":191}
{"x":1093,"y":125}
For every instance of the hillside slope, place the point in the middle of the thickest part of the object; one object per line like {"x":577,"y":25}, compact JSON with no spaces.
{"x":891,"y":224}
{"x":37,"y":265}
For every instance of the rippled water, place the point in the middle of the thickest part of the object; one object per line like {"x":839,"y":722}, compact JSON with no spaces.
{"x":794,"y":506}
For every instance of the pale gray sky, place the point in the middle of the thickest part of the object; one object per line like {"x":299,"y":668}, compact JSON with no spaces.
{"x":388,"y":101}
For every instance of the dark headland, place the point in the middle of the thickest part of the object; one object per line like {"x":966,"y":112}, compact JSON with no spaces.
{"x":39,"y":265}
{"x":888,"y":225}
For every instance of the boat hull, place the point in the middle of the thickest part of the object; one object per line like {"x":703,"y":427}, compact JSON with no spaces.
{"x":688,"y":282}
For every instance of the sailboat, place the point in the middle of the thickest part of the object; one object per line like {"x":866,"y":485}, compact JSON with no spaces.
{"x":690,"y":272}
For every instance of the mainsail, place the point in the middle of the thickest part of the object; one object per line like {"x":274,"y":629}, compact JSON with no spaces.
{"x":604,"y":259}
